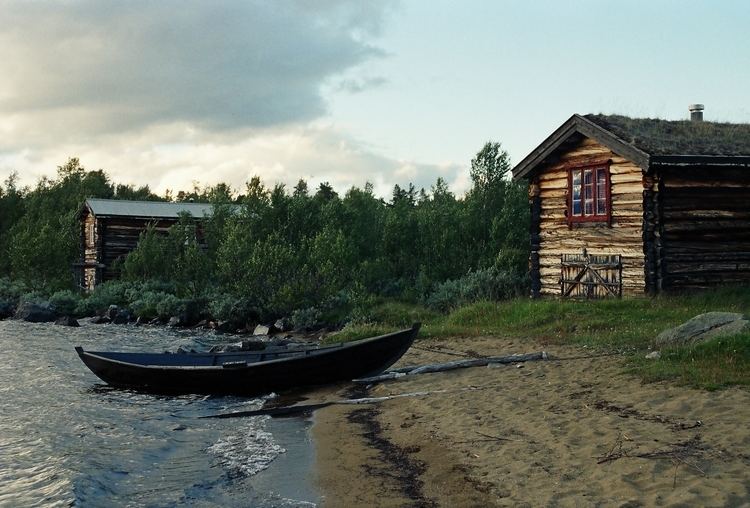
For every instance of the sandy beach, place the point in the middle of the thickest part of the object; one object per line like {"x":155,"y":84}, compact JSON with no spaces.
{"x":574,"y":430}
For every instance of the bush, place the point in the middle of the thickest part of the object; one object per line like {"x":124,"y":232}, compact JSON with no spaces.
{"x":306,"y":318}
{"x":11,"y":291}
{"x":491,"y":284}
{"x":104,"y":295}
{"x":238,"y":311}
{"x":336,"y":309}
{"x":145,"y":307}
{"x":400,"y":314}
{"x":33,"y":297}
{"x":168,"y":306}
{"x":65,"y":302}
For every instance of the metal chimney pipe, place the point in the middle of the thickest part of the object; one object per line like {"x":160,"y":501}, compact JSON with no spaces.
{"x":696,"y":112}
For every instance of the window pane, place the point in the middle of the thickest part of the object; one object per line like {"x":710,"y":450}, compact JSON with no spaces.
{"x":576,"y":192}
{"x":588,"y":192}
{"x":589,"y":207}
{"x":601,"y":206}
{"x":601,"y":192}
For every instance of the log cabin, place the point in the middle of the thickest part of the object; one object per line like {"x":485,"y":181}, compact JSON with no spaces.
{"x":110,"y":229}
{"x":633,"y":206}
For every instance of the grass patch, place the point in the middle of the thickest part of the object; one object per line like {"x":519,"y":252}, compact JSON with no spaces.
{"x":711,"y":365}
{"x":629,"y":324}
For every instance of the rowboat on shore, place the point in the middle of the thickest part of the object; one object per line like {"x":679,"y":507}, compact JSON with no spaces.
{"x":252,"y":372}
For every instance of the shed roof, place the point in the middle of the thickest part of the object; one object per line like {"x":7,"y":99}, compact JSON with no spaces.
{"x":146,"y":209}
{"x":647,"y":141}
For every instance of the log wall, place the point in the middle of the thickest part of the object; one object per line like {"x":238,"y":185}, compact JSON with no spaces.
{"x":106,"y":240}
{"x":119,"y":236}
{"x":706,"y":226}
{"x":624,"y":236}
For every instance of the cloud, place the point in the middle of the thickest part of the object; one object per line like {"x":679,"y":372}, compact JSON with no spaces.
{"x":316,"y":153}
{"x":358,"y":85}
{"x":92,"y":67}
{"x":174,"y":92}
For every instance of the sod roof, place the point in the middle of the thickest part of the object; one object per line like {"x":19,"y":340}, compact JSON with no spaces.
{"x":678,"y":137}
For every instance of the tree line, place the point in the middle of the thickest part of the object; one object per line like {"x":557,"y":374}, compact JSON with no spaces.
{"x":275,"y":251}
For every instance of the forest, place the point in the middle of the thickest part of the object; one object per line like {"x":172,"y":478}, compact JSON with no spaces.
{"x":310,"y":255}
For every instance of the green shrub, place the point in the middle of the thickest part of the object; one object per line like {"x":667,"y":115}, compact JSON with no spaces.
{"x":168,"y":306}
{"x":135,"y":290}
{"x":65,"y":302}
{"x":490,"y":284}
{"x":11,"y":290}
{"x":33,"y":297}
{"x":226,"y":307}
{"x":104,"y":295}
{"x":145,"y":307}
{"x":399,"y":314}
{"x":306,"y":318}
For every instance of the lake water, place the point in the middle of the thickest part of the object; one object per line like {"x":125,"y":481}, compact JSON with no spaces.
{"x":66,"y":439}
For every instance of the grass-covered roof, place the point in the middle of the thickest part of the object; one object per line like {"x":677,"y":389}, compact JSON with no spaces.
{"x":678,"y":137}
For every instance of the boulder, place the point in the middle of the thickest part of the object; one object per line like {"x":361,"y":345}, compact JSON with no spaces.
{"x":112,"y":312}
{"x":67,"y":321}
{"x":261,"y":330}
{"x":253,"y":345}
{"x":36,"y":312}
{"x":282,"y":325}
{"x":7,"y":310}
{"x":99,"y":320}
{"x":174,"y":321}
{"x":703,"y":327}
{"x":653,"y":355}
{"x":122,"y":317}
{"x":224,"y":326}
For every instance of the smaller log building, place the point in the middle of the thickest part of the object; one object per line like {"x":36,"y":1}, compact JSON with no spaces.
{"x":110,"y":229}
{"x":628,"y":206}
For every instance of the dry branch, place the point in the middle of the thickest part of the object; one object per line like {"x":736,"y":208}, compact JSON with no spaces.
{"x":456,"y":364}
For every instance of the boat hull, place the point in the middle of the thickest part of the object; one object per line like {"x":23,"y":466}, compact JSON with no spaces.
{"x":248,"y":373}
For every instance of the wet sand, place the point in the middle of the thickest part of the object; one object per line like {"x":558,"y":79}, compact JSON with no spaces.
{"x":571,"y":431}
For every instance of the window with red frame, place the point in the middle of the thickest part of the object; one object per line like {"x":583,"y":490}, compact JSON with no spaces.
{"x":588,"y":191}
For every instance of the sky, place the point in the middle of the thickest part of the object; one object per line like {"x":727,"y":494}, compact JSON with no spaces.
{"x":177,"y":93}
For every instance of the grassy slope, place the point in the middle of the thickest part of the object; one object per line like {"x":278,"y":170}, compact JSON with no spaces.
{"x":626,"y":325}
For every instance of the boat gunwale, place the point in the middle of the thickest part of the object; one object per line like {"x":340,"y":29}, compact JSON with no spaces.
{"x":303,"y":353}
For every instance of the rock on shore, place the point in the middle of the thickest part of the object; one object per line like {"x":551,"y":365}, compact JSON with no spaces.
{"x":36,"y":312}
{"x":703,"y":327}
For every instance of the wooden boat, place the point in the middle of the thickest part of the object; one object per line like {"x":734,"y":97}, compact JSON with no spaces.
{"x":252,"y":372}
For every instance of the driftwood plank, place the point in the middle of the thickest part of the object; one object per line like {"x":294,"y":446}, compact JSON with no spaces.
{"x":456,"y":364}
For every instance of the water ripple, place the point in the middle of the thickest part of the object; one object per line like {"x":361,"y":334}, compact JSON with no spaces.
{"x":66,"y":439}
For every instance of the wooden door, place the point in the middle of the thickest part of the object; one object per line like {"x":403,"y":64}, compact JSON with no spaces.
{"x":591,"y":275}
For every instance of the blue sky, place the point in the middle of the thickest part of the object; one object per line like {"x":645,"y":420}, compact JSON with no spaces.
{"x":171,"y":93}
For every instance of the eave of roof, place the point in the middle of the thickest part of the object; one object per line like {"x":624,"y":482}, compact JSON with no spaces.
{"x":699,"y":160}
{"x":146,"y":209}
{"x":579,"y":124}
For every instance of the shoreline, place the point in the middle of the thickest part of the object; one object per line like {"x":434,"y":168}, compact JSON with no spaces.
{"x":574,"y":429}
